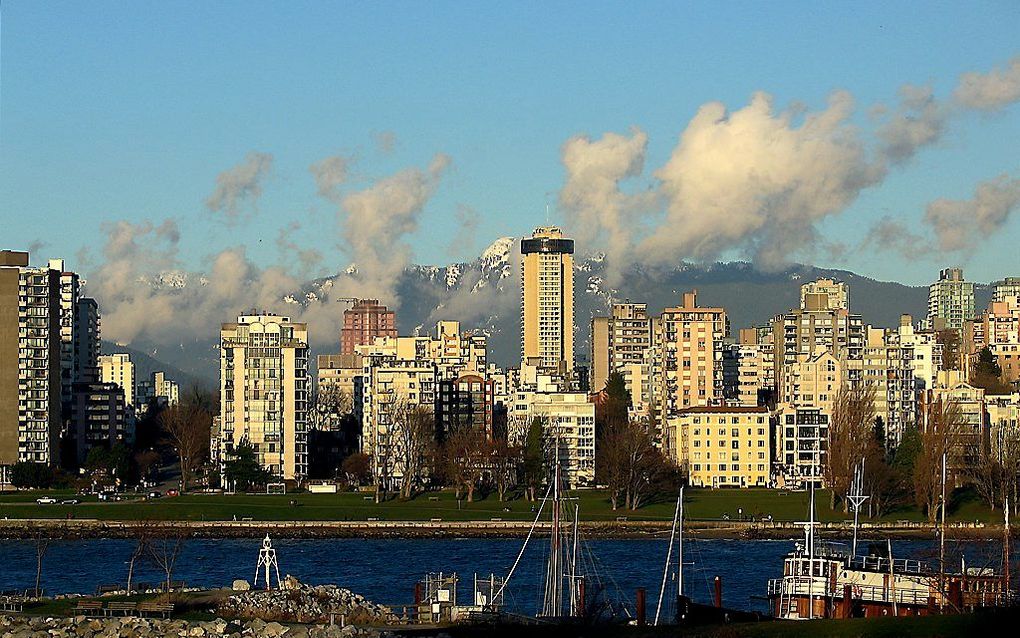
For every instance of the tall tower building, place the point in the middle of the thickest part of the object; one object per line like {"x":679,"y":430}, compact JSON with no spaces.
{"x":363,"y":322}
{"x":950,"y":300}
{"x":30,"y":362}
{"x":547,"y":299}
{"x":265,"y":391}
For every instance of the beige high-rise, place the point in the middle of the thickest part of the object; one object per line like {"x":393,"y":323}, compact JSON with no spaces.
{"x":118,"y":368}
{"x":547,"y":300}
{"x":264,"y":388}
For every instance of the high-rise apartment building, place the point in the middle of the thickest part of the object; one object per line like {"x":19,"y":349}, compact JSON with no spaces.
{"x":806,"y":331}
{"x":101,"y":417}
{"x":547,"y":300}
{"x":119,"y":369}
{"x":363,"y":322}
{"x":86,"y":341}
{"x":385,"y":393}
{"x":30,"y":362}
{"x":265,"y":391}
{"x":690,"y":340}
{"x":619,"y":340}
{"x":950,"y":300}
{"x":1005,"y":290}
{"x":837,"y":293}
{"x":568,"y":431}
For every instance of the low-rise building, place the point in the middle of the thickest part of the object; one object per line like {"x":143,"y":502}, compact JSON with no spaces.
{"x":725,"y":446}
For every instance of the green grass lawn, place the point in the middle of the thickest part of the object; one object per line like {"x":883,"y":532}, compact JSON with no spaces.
{"x":700,"y":504}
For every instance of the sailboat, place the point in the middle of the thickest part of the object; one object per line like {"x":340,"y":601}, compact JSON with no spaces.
{"x":572,"y":590}
{"x":824,"y":580}
{"x":686,"y":611}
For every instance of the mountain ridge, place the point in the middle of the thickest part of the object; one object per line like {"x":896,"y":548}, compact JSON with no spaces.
{"x":484,"y":295}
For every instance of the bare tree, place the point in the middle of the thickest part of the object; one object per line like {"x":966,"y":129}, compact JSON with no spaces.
{"x":943,"y":435}
{"x":629,"y":463}
{"x":41,"y":541}
{"x":332,"y":405}
{"x":466,"y":454}
{"x":851,"y":429}
{"x":164,"y":548}
{"x":504,"y":462}
{"x":186,"y":427}
{"x":415,"y":434}
{"x":143,"y":535}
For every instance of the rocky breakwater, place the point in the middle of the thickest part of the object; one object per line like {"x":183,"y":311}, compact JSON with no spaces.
{"x":301,"y":603}
{"x":132,"y":627}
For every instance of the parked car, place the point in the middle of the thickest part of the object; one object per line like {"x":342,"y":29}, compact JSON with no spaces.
{"x":154,"y":494}
{"x":70,"y":501}
{"x":46,"y":500}
{"x":172,"y":493}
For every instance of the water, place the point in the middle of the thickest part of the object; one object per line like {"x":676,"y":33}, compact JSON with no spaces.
{"x":386,"y":570}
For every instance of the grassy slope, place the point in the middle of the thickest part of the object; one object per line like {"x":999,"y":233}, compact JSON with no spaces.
{"x":699,"y":504}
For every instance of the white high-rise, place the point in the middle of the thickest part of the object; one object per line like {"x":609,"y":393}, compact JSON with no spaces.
{"x":264,"y":389}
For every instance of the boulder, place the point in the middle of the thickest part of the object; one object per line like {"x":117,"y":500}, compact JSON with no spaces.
{"x":241,"y":585}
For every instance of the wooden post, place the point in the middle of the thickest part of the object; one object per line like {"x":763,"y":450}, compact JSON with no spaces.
{"x":848,"y":601}
{"x":718,"y":591}
{"x":580,"y":597}
{"x":641,"y":606}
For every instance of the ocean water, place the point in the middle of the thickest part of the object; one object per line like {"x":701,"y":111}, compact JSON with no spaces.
{"x":386,"y":570}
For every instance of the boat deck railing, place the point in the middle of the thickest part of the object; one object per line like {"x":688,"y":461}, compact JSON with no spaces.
{"x":802,"y":586}
{"x":881,"y":564}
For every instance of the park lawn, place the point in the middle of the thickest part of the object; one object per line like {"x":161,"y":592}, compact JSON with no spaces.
{"x":699,"y":504}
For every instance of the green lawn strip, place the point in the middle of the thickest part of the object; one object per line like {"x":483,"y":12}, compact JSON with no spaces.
{"x":594,"y":506}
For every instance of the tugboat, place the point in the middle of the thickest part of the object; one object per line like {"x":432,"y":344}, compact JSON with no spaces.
{"x":829,"y":580}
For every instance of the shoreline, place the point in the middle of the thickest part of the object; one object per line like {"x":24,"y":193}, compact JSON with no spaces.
{"x":23,"y":529}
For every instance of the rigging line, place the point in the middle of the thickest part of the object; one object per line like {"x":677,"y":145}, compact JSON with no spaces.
{"x":523,"y":547}
{"x":665,"y":570}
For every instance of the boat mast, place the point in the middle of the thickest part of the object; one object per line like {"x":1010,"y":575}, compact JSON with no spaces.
{"x":680,"y":548}
{"x":1005,"y":548}
{"x":892,"y":579}
{"x":552,"y":605}
{"x":857,"y":498}
{"x":573,"y":566}
{"x":942,"y":527}
{"x":669,"y":554}
{"x":811,"y":555}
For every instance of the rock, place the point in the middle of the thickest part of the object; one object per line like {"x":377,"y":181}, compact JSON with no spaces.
{"x":274,"y":629}
{"x":291,"y":582}
{"x":241,"y":585}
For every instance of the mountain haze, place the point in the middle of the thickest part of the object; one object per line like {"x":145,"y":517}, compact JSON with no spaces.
{"x":484,"y":294}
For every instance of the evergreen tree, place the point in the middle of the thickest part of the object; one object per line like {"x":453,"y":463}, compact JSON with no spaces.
{"x":534,"y":458}
{"x":614,"y":407}
{"x":243,"y":470}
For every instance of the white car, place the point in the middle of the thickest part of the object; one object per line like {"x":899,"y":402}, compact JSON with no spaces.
{"x":46,"y":500}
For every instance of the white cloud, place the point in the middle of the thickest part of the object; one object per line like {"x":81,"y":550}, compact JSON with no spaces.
{"x":990,"y":91}
{"x":239,"y":185}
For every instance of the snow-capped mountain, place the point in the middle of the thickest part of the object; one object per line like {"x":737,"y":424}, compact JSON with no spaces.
{"x":484,"y":294}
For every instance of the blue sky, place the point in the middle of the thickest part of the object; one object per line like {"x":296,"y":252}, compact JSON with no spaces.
{"x":130,"y":110}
